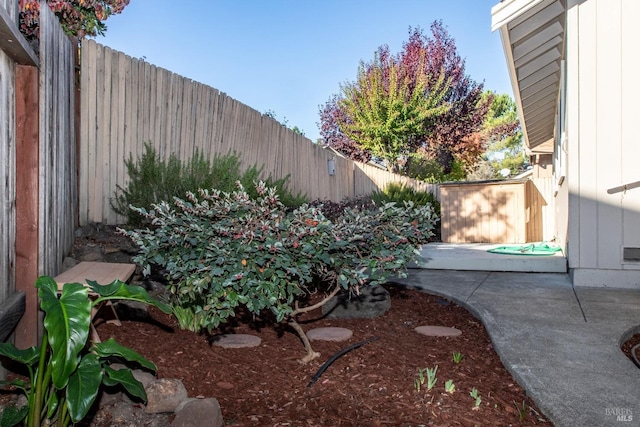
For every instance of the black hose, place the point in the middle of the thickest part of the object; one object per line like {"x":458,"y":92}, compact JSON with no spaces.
{"x":633,"y":355}
{"x":335,"y":356}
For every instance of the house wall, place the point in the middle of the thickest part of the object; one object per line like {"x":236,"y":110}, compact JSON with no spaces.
{"x":601,"y":141}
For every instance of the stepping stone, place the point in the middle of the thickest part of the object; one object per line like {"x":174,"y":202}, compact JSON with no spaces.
{"x":438,"y":331}
{"x":330,"y":334}
{"x":235,"y":340}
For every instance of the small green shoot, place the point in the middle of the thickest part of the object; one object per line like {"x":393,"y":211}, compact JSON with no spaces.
{"x":476,"y":396}
{"x":449,"y":386}
{"x":457,"y":357}
{"x":428,"y":375}
{"x":522,"y":410}
{"x":431,"y":377}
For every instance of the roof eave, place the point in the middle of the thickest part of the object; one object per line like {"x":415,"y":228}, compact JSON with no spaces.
{"x":535,"y":62}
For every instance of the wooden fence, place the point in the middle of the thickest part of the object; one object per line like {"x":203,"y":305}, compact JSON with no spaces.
{"x":127,"y":102}
{"x":38,"y":168}
{"x":516,"y":211}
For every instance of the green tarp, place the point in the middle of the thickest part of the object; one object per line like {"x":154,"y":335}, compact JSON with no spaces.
{"x":535,"y":249}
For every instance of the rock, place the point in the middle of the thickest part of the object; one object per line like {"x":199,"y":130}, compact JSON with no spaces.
{"x":199,"y":412}
{"x":68,"y":263}
{"x":85,"y":231}
{"x":438,"y":331}
{"x":235,"y":340}
{"x":132,"y":310}
{"x":330,"y":333}
{"x":127,"y":414}
{"x":373,"y":301}
{"x":90,"y":253}
{"x":164,"y":395}
{"x":144,"y":377}
{"x":110,"y":396}
{"x":118,"y":257}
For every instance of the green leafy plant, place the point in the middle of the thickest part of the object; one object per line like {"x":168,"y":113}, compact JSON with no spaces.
{"x":226,"y":250}
{"x":65,"y":372}
{"x":399,"y":193}
{"x":449,"y":387}
{"x":427,"y":375}
{"x":477,"y":398}
{"x":522,"y":410}
{"x":153,"y":179}
{"x":457,"y":357}
{"x":77,"y":17}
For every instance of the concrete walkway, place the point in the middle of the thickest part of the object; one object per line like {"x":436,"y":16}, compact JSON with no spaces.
{"x":562,"y":344}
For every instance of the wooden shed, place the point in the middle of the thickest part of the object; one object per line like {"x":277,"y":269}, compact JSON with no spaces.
{"x":492,"y":212}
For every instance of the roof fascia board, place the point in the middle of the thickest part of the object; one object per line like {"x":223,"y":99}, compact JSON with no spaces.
{"x":508,"y":10}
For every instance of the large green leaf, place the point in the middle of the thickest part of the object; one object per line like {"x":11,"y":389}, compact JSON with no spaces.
{"x":125,"y":378}
{"x":83,"y":387}
{"x":12,"y":416}
{"x":111,"y":348}
{"x":118,"y":290}
{"x":67,"y":321}
{"x":28,"y":356}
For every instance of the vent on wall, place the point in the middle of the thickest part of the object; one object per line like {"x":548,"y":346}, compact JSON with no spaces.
{"x":631,"y":254}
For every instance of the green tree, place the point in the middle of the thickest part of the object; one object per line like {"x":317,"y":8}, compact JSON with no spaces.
{"x":445,"y":140}
{"x":502,"y":135}
{"x":78,"y":17}
{"x":284,"y":122}
{"x":387,"y":109}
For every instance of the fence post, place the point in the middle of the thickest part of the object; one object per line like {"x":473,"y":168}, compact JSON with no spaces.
{"x":27,"y":200}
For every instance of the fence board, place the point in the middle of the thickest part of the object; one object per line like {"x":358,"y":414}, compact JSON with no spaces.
{"x":7,"y":175}
{"x":177,"y":115}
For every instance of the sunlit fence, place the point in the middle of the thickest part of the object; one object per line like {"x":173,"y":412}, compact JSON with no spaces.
{"x":127,"y":102}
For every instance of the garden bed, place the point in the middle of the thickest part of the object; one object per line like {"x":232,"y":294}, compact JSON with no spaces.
{"x":371,"y":385}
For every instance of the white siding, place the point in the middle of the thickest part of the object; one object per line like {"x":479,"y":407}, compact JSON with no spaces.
{"x":602,"y":38}
{"x":630,"y":141}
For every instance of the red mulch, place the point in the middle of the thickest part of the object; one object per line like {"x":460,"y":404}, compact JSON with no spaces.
{"x":372,"y":385}
{"x":629,"y":344}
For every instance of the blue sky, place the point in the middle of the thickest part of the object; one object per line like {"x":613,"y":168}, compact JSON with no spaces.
{"x":290,"y":56}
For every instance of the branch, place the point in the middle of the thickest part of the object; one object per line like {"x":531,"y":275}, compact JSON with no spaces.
{"x":299,"y":310}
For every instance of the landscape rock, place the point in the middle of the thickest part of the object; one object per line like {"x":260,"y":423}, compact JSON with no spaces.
{"x":329,"y":333}
{"x":127,"y":414}
{"x":68,"y":263}
{"x":438,"y":331}
{"x":144,"y":377}
{"x":235,"y":340}
{"x":90,"y":254}
{"x":110,"y":396}
{"x":164,"y":395}
{"x":199,"y":412}
{"x":132,"y":310}
{"x":373,"y":301}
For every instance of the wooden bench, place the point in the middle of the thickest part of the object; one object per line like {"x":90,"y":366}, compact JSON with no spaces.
{"x":103,"y":273}
{"x":11,"y":311}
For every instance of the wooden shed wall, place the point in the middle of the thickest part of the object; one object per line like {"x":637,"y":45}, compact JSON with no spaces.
{"x":483,"y":212}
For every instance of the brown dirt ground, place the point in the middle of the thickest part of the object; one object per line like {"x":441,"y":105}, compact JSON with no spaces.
{"x":372,"y":385}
